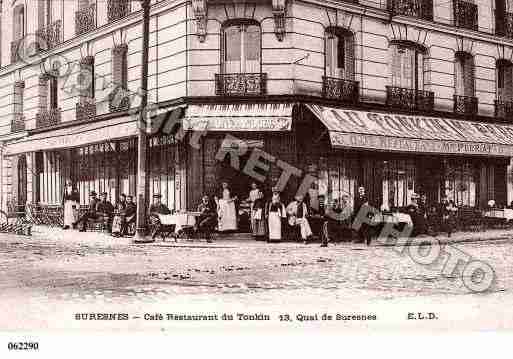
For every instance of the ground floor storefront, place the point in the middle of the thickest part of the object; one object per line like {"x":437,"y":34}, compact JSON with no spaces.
{"x":320,"y":150}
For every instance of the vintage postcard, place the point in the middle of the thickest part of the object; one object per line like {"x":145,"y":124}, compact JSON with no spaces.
{"x":255,"y":165}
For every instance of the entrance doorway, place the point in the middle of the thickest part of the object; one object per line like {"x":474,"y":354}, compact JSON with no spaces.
{"x":429,"y":177}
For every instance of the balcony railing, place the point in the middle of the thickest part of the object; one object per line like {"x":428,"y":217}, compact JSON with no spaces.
{"x":119,"y":100}
{"x":422,"y":9}
{"x":117,"y":9}
{"x":48,"y":118}
{"x":85,"y":19}
{"x":85,"y":110}
{"x":504,"y":110}
{"x":340,"y":89}
{"x":504,"y":24}
{"x":18,"y":123}
{"x":465,"y":14}
{"x":410,"y":99}
{"x":50,"y":35}
{"x":241,"y":84}
{"x":17,"y":50}
{"x":465,"y":105}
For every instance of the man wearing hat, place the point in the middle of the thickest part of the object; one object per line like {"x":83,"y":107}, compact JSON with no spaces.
{"x":155,"y":209}
{"x":90,"y":213}
{"x":130,"y":213}
{"x":105,"y":209}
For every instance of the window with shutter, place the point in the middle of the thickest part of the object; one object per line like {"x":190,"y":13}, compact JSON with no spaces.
{"x":339,"y":53}
{"x":242,"y":48}
{"x":464,"y":74}
{"x":407,"y":67}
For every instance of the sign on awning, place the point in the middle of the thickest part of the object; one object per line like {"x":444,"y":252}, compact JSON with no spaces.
{"x":76,"y":136}
{"x":405,"y":133}
{"x":239,"y":117}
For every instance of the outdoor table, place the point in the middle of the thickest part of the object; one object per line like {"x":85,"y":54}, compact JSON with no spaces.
{"x":506,"y":214}
{"x":394,"y":218}
{"x":179,"y":220}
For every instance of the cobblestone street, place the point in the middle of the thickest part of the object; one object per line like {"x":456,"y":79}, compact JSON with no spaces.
{"x":45,"y":282}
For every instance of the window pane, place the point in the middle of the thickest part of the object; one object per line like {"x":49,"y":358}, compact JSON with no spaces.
{"x":252,"y":43}
{"x":232,"y":43}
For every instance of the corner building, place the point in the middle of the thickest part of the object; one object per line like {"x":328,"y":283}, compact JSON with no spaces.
{"x":400,"y":96}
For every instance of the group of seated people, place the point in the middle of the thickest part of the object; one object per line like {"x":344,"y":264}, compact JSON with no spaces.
{"x":117,"y":218}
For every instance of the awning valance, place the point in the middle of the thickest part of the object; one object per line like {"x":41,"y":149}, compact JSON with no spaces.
{"x":239,"y":117}
{"x":405,"y":133}
{"x":75,"y":136}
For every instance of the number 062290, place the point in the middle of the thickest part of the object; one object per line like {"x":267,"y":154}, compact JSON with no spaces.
{"x":23,"y":346}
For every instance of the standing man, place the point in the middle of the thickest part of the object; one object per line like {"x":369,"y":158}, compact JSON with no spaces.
{"x":90,"y":213}
{"x":364,"y":233}
{"x":130,"y":214}
{"x":156,"y":209}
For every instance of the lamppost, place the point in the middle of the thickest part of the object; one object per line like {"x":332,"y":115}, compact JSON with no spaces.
{"x":140,"y":236}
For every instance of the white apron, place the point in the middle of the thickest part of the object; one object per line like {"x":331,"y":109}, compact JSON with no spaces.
{"x":227,"y":214}
{"x":70,"y":210}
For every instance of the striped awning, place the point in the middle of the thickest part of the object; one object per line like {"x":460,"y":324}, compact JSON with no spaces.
{"x":404,"y":133}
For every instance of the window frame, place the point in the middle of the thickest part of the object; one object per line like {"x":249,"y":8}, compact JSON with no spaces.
{"x":417,"y":64}
{"x":223,"y":45}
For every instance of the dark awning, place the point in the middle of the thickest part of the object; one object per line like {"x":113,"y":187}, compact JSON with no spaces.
{"x":406,"y":133}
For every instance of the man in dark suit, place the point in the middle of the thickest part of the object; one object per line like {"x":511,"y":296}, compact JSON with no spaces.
{"x":155,"y":209}
{"x":91,"y":212}
{"x":130,"y":213}
{"x":361,"y":200}
{"x":106,"y":209}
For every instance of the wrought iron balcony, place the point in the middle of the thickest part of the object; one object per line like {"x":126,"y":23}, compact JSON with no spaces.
{"x":50,"y":35}
{"x":422,"y":9}
{"x":504,"y":110}
{"x":465,"y":14}
{"x":16,"y":50}
{"x":48,"y":118}
{"x":504,"y":24}
{"x":85,"y":19}
{"x":410,"y":99}
{"x":85,"y":109}
{"x":119,"y":100}
{"x":340,"y":89}
{"x":18,"y":123}
{"x":465,"y":105}
{"x":241,"y":84}
{"x":117,"y":9}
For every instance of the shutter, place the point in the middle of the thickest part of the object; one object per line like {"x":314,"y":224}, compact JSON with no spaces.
{"x":396,"y":66}
{"x":468,"y":76}
{"x":420,"y":70}
{"x":458,"y":76}
{"x":329,"y":54}
{"x":408,"y":65}
{"x":508,"y":82}
{"x":53,"y":93}
{"x":349,"y":57}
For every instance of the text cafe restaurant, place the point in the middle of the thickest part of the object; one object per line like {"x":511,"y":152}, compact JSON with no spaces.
{"x":392,"y":156}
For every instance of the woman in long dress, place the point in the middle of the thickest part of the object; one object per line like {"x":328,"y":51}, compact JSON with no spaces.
{"x":253,"y":196}
{"x":226,"y":210}
{"x":70,"y":200}
{"x":258,"y":217}
{"x":275,"y":214}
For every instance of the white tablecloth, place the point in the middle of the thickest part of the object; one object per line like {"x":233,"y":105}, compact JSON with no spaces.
{"x":178,"y":219}
{"x":506,"y":213}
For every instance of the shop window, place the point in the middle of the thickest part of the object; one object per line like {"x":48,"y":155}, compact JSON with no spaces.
{"x":460,"y":183}
{"x":339,"y":45}
{"x":398,"y":183}
{"x":50,"y":168}
{"x":241,"y":47}
{"x":166,"y":162}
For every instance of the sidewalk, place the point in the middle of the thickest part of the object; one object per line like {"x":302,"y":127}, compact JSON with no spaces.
{"x":50,"y":235}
